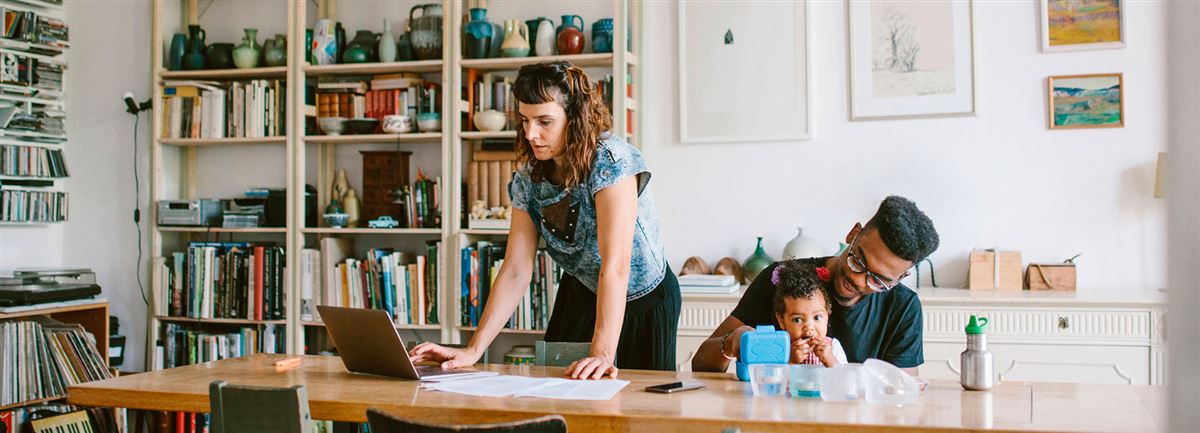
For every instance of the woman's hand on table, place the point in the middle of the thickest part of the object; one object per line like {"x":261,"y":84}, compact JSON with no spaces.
{"x":592,"y":367}
{"x":449,"y":357}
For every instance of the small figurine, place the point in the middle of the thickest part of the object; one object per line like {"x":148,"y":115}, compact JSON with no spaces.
{"x":383,"y":222}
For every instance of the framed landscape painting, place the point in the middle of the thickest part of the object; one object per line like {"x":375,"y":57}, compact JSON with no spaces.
{"x":1086,"y":101}
{"x":911,"y":58}
{"x":1069,"y":25}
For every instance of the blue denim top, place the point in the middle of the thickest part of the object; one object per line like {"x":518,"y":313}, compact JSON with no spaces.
{"x":566,"y":218}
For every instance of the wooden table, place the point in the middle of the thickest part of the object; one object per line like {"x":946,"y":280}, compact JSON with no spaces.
{"x":338,"y":395}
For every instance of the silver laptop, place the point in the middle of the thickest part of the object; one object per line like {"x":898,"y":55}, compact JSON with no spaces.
{"x":368,"y":343}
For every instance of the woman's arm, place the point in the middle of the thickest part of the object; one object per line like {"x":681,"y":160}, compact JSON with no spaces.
{"x":511,"y":283}
{"x":616,"y":218}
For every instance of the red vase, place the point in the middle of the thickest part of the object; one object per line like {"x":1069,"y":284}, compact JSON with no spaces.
{"x":570,"y":41}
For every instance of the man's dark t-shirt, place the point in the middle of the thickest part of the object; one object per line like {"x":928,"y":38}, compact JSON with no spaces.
{"x":885,"y":325}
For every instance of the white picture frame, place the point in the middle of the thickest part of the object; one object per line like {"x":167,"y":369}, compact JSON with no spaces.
{"x":756,"y":88}
{"x":1044,"y":16}
{"x":939,"y":83}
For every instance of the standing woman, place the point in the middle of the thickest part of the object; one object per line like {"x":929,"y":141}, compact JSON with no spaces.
{"x":584,"y":191}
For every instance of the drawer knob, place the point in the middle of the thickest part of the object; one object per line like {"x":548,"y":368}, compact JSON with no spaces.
{"x":1064,"y":323}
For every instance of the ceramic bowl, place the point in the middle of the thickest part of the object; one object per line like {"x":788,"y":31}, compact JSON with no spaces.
{"x":332,"y":125}
{"x":490,"y":120}
{"x":397,"y":124}
{"x":429,"y":122}
{"x":336,"y":220}
{"x":361,"y":126}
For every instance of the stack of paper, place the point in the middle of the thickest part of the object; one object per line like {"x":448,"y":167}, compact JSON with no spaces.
{"x":708,"y":284}
{"x":537,"y":387}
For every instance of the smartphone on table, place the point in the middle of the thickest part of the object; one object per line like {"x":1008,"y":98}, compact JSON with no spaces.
{"x":680,"y":386}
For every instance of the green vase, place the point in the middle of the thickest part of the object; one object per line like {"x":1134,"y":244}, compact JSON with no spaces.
{"x":756,"y":262}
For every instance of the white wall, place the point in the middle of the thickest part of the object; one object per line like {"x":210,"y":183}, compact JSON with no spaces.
{"x":109,"y":55}
{"x":999,"y":179}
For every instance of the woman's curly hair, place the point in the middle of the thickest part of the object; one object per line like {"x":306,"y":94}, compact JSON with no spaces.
{"x":797,"y":280}
{"x":587,"y":117}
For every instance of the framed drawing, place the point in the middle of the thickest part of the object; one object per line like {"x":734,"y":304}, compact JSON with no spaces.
{"x":1069,"y":25}
{"x":743,"y":71}
{"x":1086,"y":101}
{"x":911,"y":58}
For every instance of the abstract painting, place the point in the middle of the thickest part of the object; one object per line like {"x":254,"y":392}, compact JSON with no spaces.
{"x":911,"y":59}
{"x":1086,"y":101}
{"x":1082,"y":24}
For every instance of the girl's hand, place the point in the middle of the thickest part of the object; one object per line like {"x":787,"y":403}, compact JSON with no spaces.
{"x":824,"y":352}
{"x":592,"y":367}
{"x":801,"y":347}
{"x":449,"y":357}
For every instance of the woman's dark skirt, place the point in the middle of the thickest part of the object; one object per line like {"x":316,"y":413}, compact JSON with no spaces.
{"x":647,"y":339}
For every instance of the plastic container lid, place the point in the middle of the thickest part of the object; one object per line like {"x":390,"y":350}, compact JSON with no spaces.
{"x":977,"y":325}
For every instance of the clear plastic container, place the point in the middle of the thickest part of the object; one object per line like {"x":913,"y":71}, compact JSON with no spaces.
{"x":769,"y":380}
{"x":806,"y":380}
{"x":862,"y":377}
{"x":888,"y":384}
{"x":840,"y":383}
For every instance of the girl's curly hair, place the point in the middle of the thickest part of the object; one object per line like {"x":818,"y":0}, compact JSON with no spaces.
{"x":797,"y":280}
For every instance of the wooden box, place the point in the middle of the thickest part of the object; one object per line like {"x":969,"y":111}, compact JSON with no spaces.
{"x":989,"y":269}
{"x":1050,"y":276}
{"x":383,"y":172}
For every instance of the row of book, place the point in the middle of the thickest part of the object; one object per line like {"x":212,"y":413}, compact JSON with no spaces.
{"x":355,"y":98}
{"x":405,"y":285}
{"x":191,"y":422}
{"x":182,"y":344}
{"x":32,"y":161}
{"x":40,"y":358}
{"x":481,"y":264}
{"x":223,"y":280}
{"x":209,"y":109}
{"x":44,"y":122}
{"x":489,"y":91}
{"x":30,"y":206}
{"x":31,"y":27}
{"x":422,"y":203}
{"x":488,"y":175}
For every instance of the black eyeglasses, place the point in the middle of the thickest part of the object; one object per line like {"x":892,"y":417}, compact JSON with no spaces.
{"x":875,"y":282}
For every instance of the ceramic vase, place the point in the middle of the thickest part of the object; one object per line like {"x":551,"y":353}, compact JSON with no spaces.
{"x":324,"y":45}
{"x":276,"y":54}
{"x":220,"y":56}
{"x":425,"y":31}
{"x":350,"y":204}
{"x":194,"y":58}
{"x":245,"y":56}
{"x":516,"y":39}
{"x":478,"y":35}
{"x":387,"y":43}
{"x":756,"y":262}
{"x":602,"y":36}
{"x":801,"y":247}
{"x":570,"y":36}
{"x":362,"y":48}
{"x":176,"y":52}
{"x":544,"y":38}
{"x":340,"y":33}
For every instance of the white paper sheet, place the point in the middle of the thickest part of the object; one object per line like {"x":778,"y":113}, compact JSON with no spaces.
{"x":536,"y":387}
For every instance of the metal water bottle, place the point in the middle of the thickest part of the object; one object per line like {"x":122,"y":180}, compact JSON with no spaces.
{"x":976,"y":361}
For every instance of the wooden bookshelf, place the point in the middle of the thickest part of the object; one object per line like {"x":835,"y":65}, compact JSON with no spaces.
{"x":173,"y":229}
{"x":185,"y":142}
{"x":513,"y":63}
{"x":418,"y":66}
{"x":404,"y":327}
{"x":225,"y":74}
{"x":32,"y":402}
{"x":92,"y":314}
{"x":486,"y":232}
{"x":481,"y":135}
{"x":505,"y":330}
{"x":417,"y":137}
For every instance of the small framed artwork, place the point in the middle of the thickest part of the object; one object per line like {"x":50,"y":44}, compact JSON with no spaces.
{"x":1069,"y":25}
{"x":911,"y":58}
{"x":1086,"y":101}
{"x":743,"y":71}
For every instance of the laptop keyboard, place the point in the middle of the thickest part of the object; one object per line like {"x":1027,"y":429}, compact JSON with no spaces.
{"x":434,"y":370}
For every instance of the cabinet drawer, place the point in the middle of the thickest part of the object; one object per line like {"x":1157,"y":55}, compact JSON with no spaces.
{"x":1123,"y":365}
{"x":1112,"y":326}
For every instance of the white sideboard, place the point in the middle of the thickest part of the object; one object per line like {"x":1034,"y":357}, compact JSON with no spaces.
{"x":1075,"y":337}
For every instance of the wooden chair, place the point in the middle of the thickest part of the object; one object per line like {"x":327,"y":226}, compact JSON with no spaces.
{"x":381,"y":422}
{"x":558,"y":354}
{"x":250,"y":409}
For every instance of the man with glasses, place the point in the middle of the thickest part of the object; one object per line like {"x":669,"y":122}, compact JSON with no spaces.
{"x":873,"y":315}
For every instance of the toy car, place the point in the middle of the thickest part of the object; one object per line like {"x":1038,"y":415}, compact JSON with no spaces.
{"x":383,"y":222}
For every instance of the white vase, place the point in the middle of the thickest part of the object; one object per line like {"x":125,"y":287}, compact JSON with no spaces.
{"x":387,"y":43}
{"x":545,"y":39}
{"x":802,"y":247}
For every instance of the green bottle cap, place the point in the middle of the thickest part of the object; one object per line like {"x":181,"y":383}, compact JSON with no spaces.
{"x":977,"y":325}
